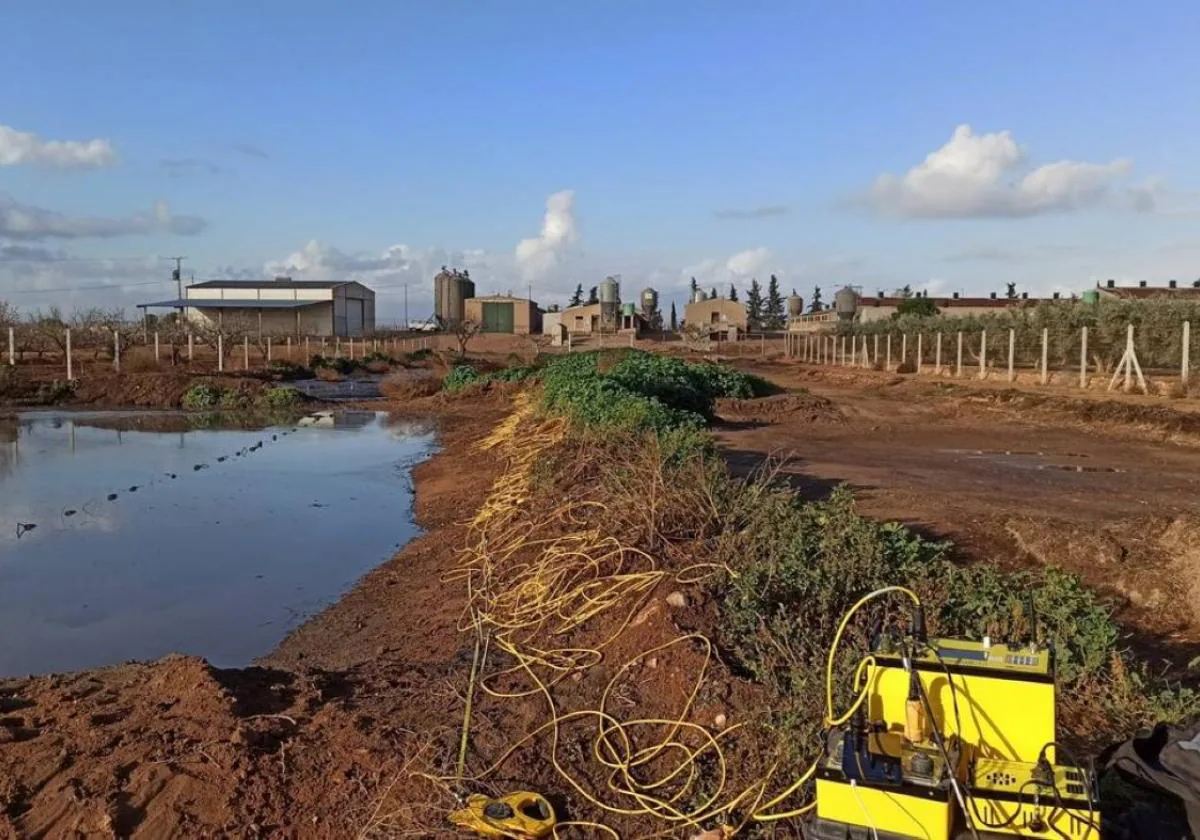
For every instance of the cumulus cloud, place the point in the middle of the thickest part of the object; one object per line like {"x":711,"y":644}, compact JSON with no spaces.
{"x":747,"y":263}
{"x":24,"y":222}
{"x":22,"y":148}
{"x":538,"y":256}
{"x":984,"y":175}
{"x":763,"y":212}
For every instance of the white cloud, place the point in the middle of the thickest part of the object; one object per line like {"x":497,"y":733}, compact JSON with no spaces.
{"x":24,"y":222}
{"x":980,"y":176}
{"x":747,"y":263}
{"x":538,"y":256}
{"x":19,"y":148}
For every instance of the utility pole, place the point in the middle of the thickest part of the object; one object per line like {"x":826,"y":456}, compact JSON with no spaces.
{"x":177,"y":276}
{"x":406,"y":307}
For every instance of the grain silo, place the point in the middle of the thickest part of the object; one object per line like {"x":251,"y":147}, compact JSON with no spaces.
{"x":649,"y":304}
{"x":795,"y":305}
{"x":845,"y":303}
{"x":450,"y":289}
{"x":610,"y":302}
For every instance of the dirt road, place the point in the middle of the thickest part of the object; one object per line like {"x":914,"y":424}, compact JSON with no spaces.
{"x":1116,"y":503}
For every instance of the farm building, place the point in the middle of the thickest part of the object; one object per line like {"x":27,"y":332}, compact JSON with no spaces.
{"x":282,"y":306}
{"x":1143,"y":291}
{"x":501,"y":314}
{"x":716,"y":314}
{"x":581,"y":319}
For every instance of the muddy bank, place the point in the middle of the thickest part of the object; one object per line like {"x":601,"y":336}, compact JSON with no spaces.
{"x":179,"y":748}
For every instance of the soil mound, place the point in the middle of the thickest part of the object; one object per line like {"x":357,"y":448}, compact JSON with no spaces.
{"x":802,"y":406}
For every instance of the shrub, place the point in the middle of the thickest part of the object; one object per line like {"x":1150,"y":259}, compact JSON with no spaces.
{"x":459,"y":378}
{"x":280,"y":398}
{"x":50,"y":393}
{"x":285,"y":370}
{"x":403,"y":385}
{"x":234,"y":400}
{"x":201,"y":397}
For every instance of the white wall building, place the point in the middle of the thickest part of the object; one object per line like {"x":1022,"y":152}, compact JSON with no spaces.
{"x":280,"y":307}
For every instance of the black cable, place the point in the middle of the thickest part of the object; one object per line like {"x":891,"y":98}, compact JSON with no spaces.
{"x":1088,"y":778}
{"x":941,"y":744}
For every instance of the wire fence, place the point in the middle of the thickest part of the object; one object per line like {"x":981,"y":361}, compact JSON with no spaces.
{"x":1126,"y":356}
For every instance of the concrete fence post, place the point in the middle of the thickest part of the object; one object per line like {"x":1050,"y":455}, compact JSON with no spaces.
{"x":268,"y":348}
{"x":306,"y":353}
{"x":288,"y":349}
{"x":117,"y":350}
{"x":156,"y":347}
{"x":191,"y":346}
{"x":888,"y":364}
{"x":1045,"y":355}
{"x":246,"y":353}
{"x":762,"y":347}
{"x":903,"y":349}
{"x":983,"y":355}
{"x":12,"y":346}
{"x":958,"y":364}
{"x":70,"y":368}
{"x":920,"y":355}
{"x":1186,"y":360}
{"x":337,"y":345}
{"x":1012,"y":343}
{"x":1083,"y":357}
{"x":876,"y":348}
{"x":631,"y":338}
{"x":937,"y":357}
{"x":220,"y":353}
{"x":843,"y":351}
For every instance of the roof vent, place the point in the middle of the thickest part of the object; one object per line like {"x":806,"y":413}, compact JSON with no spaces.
{"x":993,"y":295}
{"x":1141,"y":284}
{"x":1112,"y":284}
{"x":1171,"y":284}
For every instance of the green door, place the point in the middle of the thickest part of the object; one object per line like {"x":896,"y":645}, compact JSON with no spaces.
{"x":497,"y":317}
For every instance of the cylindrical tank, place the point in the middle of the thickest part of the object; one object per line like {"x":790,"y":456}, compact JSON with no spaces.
{"x":845,"y":303}
{"x":1090,"y":296}
{"x":450,"y":290}
{"x":628,"y":308}
{"x":795,"y":305}
{"x":649,"y":303}
{"x":698,"y":296}
{"x":610,"y":290}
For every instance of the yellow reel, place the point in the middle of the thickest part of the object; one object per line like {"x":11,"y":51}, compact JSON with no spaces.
{"x":522,"y":815}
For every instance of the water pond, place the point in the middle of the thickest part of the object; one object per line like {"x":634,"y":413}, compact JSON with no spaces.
{"x":133,"y":536}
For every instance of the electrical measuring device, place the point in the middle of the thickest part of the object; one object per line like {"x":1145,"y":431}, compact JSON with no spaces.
{"x":951,"y":738}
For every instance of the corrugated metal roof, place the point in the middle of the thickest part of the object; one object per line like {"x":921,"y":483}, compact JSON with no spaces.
{"x":269,"y":284}
{"x":230,"y":303}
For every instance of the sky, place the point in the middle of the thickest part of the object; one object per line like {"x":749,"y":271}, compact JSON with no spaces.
{"x":946,"y":146}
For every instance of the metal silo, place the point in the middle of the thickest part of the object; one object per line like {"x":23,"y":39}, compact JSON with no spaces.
{"x":610,"y":301}
{"x":795,"y":305}
{"x":649,"y":303}
{"x":698,"y":296}
{"x":845,"y":303}
{"x":450,"y":289}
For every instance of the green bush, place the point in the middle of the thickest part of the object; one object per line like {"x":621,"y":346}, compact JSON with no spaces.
{"x":234,"y":400}
{"x":638,"y":390}
{"x":280,"y":398}
{"x":459,"y":378}
{"x":201,"y":397}
{"x":57,"y":391}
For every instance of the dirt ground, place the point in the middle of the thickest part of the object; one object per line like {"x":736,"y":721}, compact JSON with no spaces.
{"x":314,"y":742}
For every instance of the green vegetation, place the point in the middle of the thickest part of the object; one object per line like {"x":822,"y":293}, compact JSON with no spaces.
{"x":1158,"y":325}
{"x":458,"y":378}
{"x":631,"y":389}
{"x":201,"y":398}
{"x":205,"y":397}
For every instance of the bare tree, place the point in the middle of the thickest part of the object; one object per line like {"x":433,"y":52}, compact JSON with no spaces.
{"x":231,"y":330}
{"x":465,"y":329}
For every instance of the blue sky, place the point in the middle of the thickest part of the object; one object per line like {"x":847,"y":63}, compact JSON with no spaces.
{"x":716,"y":139}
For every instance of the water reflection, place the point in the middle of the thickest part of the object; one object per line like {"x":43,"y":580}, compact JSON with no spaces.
{"x":206,"y":541}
